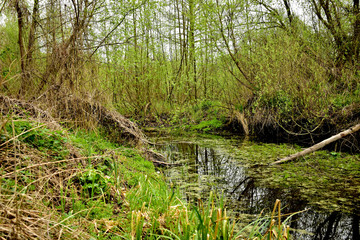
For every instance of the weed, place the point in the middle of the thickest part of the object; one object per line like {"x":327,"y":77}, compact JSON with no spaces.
{"x":91,"y":142}
{"x":94,"y":182}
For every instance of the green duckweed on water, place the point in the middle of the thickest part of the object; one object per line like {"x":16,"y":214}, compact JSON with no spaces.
{"x":327,"y":180}
{"x":330,"y":180}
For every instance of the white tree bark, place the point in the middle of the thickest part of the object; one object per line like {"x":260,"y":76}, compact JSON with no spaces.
{"x":319,"y":145}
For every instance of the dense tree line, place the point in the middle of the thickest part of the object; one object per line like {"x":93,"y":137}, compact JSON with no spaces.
{"x":150,"y":57}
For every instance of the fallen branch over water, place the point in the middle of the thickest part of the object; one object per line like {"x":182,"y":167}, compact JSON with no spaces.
{"x":319,"y":145}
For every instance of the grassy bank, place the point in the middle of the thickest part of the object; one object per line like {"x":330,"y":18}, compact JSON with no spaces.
{"x":73,"y":184}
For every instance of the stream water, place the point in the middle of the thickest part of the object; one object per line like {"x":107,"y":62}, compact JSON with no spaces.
{"x":221,"y":165}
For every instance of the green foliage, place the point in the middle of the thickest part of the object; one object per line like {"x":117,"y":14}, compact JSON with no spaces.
{"x":205,"y":116}
{"x":280,"y":100}
{"x":268,"y":227}
{"x":138,"y":168}
{"x":94,"y":182}
{"x":39,"y":137}
{"x":9,"y":51}
{"x":204,"y":106}
{"x":100,"y":210}
{"x":206,"y":110}
{"x":91,"y":209}
{"x":152,"y":191}
{"x":293,"y":68}
{"x":207,"y":126}
{"x":340,"y":101}
{"x":9,"y":184}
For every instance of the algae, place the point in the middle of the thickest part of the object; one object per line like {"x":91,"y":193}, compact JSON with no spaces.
{"x":327,"y":181}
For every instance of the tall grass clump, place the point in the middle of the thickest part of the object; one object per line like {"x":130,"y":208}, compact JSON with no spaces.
{"x":204,"y":220}
{"x":34,"y":182}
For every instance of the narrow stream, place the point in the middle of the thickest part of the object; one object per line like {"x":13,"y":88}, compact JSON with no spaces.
{"x":214,"y":165}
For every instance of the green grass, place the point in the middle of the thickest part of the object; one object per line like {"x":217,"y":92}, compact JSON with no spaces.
{"x":91,"y":143}
{"x":37,"y":136}
{"x":210,"y":125}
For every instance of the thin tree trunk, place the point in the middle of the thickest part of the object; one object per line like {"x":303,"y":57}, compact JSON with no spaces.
{"x":319,"y":145}
{"x":21,"y":47}
{"x":32,"y":32}
{"x":31,"y":43}
{"x":288,"y":11}
{"x":192,"y":45}
{"x":356,"y":38}
{"x":3,"y":6}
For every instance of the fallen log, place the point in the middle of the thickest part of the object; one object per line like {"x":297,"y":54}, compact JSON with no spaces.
{"x":318,"y":145}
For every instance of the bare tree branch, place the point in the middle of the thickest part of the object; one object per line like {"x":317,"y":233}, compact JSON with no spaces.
{"x":116,"y":26}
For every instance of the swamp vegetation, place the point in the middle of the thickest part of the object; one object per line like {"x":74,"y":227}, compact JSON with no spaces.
{"x":81,"y":82}
{"x":315,"y":189}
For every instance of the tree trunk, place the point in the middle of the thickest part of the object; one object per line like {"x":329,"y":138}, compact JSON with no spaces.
{"x":319,"y":145}
{"x":288,"y":11}
{"x":356,"y":38}
{"x":192,"y":58}
{"x":30,"y":49}
{"x":20,"y":19}
{"x":32,"y":33}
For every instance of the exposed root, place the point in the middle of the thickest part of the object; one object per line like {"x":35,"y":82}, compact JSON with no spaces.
{"x":240,"y":118}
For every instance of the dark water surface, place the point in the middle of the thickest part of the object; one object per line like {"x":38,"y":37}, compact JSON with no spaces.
{"x":213,"y":164}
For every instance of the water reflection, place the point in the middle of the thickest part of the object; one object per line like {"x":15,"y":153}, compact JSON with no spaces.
{"x":205,"y":168}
